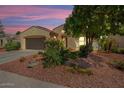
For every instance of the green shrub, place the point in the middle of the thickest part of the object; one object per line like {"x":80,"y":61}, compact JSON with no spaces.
{"x":13,"y":45}
{"x":121,"y":50}
{"x":52,"y":53}
{"x":107,"y":44}
{"x":84,"y":51}
{"x":118,"y":64}
{"x":74,"y":55}
{"x":118,"y":50}
{"x":52,"y":58}
{"x":66,"y":54}
{"x":56,"y":54}
{"x":56,"y":44}
{"x":114,"y":50}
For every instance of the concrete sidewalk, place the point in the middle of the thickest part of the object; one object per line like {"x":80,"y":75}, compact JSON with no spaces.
{"x":11,"y":80}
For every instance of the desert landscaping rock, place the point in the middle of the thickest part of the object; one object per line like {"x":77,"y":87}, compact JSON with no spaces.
{"x":31,"y":64}
{"x":104,"y":77}
{"x":82,"y":63}
{"x":96,"y":58}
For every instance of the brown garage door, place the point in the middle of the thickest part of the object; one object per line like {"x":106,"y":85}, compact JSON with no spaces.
{"x":35,"y":43}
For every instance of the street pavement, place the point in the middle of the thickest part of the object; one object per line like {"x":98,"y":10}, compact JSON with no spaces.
{"x":11,"y":80}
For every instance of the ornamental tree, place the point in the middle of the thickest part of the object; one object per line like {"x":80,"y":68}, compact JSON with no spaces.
{"x":95,"y":21}
{"x":86,"y":21}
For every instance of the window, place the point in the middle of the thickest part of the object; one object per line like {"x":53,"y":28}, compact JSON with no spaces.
{"x":81,"y":41}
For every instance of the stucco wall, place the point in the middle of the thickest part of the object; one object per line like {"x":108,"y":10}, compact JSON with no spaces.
{"x":59,"y":29}
{"x":30,"y":32}
{"x":72,"y":43}
{"x":4,"y":40}
{"x":119,"y":39}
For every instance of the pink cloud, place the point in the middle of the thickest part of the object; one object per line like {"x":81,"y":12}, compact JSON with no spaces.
{"x":13,"y":29}
{"x":51,"y":16}
{"x":31,"y":13}
{"x":42,"y":13}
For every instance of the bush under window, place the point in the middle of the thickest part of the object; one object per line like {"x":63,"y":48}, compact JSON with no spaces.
{"x":13,"y":45}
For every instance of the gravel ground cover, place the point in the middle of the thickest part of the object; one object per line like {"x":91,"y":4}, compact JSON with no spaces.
{"x":103,"y":76}
{"x":2,"y":50}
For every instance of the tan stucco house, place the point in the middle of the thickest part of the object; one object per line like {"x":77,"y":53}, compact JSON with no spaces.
{"x":34,"y":37}
{"x":74,"y":43}
{"x":70,"y":42}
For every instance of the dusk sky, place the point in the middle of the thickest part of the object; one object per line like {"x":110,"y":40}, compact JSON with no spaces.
{"x":19,"y":18}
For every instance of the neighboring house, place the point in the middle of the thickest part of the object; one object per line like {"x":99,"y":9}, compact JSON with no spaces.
{"x":34,"y":37}
{"x":15,"y":38}
{"x":3,"y":39}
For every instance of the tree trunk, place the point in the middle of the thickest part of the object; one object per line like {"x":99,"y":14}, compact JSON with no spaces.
{"x":86,"y":40}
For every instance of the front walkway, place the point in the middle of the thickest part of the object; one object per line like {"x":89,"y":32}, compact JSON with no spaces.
{"x":11,"y":80}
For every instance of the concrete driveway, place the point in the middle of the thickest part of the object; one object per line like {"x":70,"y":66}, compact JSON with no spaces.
{"x":11,"y":80}
{"x":13,"y":55}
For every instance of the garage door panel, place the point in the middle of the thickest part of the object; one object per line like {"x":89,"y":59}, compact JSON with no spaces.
{"x":35,"y":43}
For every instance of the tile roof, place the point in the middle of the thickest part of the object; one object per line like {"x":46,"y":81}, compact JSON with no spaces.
{"x":58,"y":26}
{"x":38,"y":27}
{"x":43,"y":28}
